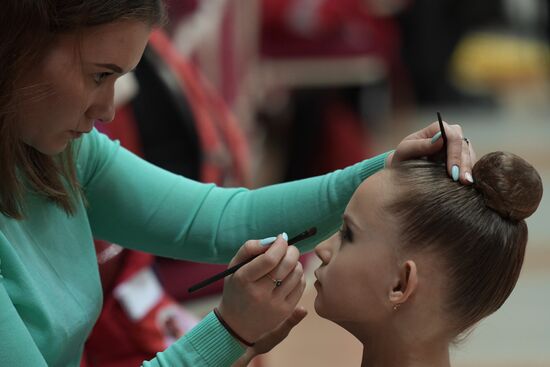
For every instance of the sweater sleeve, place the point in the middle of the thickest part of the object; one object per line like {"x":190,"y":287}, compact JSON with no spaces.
{"x":138,"y":205}
{"x":17,"y":347}
{"x":207,"y":344}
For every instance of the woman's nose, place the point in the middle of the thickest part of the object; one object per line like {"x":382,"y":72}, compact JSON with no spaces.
{"x":103,"y":107}
{"x":105,"y":112}
{"x":108,"y":115}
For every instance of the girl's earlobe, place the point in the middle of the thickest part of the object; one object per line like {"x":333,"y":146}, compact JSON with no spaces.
{"x":406,"y":284}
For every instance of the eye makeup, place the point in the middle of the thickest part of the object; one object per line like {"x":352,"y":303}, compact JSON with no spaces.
{"x":345,"y":233}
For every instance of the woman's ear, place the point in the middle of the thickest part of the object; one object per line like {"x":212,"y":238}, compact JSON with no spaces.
{"x":405,"y":284}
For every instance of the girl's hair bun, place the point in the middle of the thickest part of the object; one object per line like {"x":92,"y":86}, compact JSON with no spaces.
{"x":510,"y":185}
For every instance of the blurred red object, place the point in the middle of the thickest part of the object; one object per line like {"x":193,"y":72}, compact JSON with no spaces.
{"x":326,"y":28}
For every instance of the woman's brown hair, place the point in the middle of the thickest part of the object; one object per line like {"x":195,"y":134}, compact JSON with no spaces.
{"x":478,"y":231}
{"x":27,"y":29}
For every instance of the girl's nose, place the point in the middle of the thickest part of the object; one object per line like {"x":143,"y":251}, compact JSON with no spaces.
{"x":323,"y":250}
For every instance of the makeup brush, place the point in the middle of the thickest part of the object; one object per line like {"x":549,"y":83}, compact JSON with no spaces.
{"x":302,"y":236}
{"x":443,"y":136}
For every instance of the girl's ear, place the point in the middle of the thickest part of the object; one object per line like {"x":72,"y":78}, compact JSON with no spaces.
{"x":405,"y":284}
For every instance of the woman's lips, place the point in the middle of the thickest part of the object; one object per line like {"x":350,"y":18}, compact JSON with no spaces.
{"x":75,"y":134}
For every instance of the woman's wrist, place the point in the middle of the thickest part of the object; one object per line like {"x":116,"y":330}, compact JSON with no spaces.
{"x":388,"y":160}
{"x":245,"y":359}
{"x":230,"y":330}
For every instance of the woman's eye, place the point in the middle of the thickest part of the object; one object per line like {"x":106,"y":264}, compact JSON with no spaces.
{"x":99,"y":77}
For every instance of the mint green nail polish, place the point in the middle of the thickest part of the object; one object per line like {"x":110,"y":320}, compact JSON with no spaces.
{"x":436,"y":137}
{"x":267,"y":241}
{"x":455,"y":172}
{"x":285,"y":236}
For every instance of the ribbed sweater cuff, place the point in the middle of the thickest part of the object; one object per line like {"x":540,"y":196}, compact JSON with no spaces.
{"x":214,"y":343}
{"x":373,"y":165}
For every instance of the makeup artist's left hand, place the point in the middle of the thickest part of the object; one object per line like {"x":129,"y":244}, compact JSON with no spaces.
{"x":428,"y":142}
{"x":270,"y":340}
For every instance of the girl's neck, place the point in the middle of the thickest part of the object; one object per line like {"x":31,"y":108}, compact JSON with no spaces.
{"x":395,"y":353}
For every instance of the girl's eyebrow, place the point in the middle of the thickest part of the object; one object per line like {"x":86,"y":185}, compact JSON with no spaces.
{"x":350,"y":221}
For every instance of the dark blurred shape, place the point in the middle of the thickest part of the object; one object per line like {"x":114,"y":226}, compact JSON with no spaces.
{"x":431,"y":29}
{"x":338,"y":51}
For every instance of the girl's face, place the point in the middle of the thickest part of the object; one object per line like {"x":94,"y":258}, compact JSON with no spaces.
{"x":356,"y":276}
{"x":73,"y":86}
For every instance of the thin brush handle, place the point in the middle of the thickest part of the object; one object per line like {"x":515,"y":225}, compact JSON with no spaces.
{"x":310,"y":232}
{"x":443,"y":134}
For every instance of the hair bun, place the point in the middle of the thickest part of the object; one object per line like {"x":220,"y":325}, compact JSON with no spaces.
{"x":510,"y":185}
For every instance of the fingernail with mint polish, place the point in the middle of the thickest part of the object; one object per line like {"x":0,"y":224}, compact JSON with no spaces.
{"x":455,"y":172}
{"x":469,"y":177}
{"x":267,"y":241}
{"x":436,"y":137}
{"x":285,"y":236}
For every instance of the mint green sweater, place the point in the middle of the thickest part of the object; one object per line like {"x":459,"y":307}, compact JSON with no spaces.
{"x":50,"y":292}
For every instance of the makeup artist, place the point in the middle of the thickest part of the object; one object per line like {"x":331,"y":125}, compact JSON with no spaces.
{"x":63,"y":183}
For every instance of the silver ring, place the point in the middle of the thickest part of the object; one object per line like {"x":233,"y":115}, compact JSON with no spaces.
{"x":466,"y":140}
{"x":276,"y":282}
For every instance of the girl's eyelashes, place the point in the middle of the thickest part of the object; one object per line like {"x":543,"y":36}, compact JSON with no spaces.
{"x":345,"y":234}
{"x":99,"y":77}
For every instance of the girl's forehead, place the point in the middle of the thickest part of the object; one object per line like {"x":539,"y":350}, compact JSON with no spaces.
{"x":373,"y":193}
{"x":368,"y":206}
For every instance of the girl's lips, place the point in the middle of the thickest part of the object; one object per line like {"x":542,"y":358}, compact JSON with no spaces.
{"x":317,"y":283}
{"x":317,"y":276}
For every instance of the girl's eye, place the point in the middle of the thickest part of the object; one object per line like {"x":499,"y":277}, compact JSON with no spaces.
{"x":99,"y":77}
{"x":345,"y":234}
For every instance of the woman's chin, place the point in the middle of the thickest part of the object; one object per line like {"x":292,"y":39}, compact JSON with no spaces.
{"x":53,"y":147}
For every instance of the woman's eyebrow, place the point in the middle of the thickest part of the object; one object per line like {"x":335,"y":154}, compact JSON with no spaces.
{"x":113,"y":67}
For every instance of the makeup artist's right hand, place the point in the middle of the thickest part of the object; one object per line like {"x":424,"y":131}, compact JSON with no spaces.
{"x":251,"y":304}
{"x":461,"y":156}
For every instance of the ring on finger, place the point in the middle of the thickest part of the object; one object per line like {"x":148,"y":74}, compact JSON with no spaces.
{"x":276,"y":282}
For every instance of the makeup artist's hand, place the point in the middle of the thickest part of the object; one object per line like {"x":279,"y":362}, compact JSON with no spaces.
{"x":271,"y":339}
{"x":251,"y":304}
{"x":428,"y":142}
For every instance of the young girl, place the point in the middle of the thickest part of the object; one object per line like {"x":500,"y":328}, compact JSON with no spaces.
{"x":62,"y":183}
{"x":420,"y":259}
